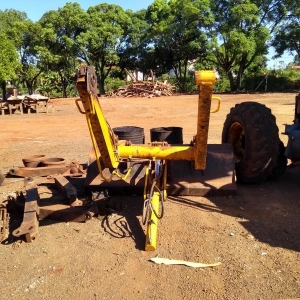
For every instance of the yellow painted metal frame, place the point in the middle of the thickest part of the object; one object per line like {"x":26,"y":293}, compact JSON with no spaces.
{"x":104,"y":146}
{"x":101,"y":134}
{"x":151,"y":234}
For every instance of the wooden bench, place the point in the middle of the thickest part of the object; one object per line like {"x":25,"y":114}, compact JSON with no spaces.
{"x":3,"y":107}
{"x":29,"y":104}
{"x":14,"y":105}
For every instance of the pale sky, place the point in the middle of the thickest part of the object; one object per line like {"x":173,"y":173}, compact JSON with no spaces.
{"x":35,"y":9}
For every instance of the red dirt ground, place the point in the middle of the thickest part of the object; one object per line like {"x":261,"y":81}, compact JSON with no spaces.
{"x":255,"y":234}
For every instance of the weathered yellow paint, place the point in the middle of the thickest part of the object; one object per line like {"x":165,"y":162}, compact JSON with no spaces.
{"x":184,"y":152}
{"x":218,"y":104}
{"x":205,"y":77}
{"x":205,"y":80}
{"x":151,"y":237}
{"x":100,"y":133}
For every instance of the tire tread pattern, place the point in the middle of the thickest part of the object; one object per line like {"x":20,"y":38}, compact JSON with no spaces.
{"x":261,"y":140}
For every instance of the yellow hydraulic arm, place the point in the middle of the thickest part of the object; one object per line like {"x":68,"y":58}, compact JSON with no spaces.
{"x":103,"y":137}
{"x":109,"y":154}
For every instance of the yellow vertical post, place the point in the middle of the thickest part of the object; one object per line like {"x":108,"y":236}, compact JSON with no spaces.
{"x":205,"y":80}
{"x":151,"y":235}
{"x":101,"y":134}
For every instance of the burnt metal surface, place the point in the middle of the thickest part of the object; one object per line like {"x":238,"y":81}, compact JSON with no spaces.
{"x":30,"y":225}
{"x":4,"y":218}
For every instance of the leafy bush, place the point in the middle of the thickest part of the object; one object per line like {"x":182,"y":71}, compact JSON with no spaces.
{"x":113,"y":83}
{"x":273,"y":81}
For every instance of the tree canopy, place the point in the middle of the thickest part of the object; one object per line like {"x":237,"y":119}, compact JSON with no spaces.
{"x":232,"y":36}
{"x":8,"y":61}
{"x":287,"y":35}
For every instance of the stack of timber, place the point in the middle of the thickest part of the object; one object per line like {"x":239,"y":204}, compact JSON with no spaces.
{"x":144,"y":89}
{"x":141,"y":88}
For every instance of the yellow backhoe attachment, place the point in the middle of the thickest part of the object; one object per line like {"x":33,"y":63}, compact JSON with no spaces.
{"x":193,"y":169}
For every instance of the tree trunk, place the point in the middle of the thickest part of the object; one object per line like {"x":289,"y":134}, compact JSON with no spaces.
{"x":101,"y":85}
{"x":239,"y":78}
{"x":232,"y":81}
{"x":100,"y":79}
{"x":64,"y":88}
{"x":63,"y":85}
{"x":29,"y":87}
{"x":3,"y":86}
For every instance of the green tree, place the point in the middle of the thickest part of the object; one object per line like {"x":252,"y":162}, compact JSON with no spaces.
{"x":178,"y":33}
{"x":8,"y":61}
{"x":287,"y":36}
{"x":103,"y":38}
{"x":58,"y":48}
{"x":26,"y":35}
{"x":135,"y":53}
{"x":8,"y":17}
{"x":240,"y":34}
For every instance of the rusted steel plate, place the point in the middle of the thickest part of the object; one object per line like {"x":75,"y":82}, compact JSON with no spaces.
{"x":30,"y":225}
{"x":68,"y":213}
{"x":133,"y":185}
{"x":67,"y":189}
{"x":218,"y":178}
{"x":40,"y":171}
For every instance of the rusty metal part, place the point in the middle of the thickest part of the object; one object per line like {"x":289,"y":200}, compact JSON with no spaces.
{"x":68,"y":213}
{"x":218,"y":179}
{"x":74,"y":169}
{"x":91,"y":212}
{"x":204,"y":104}
{"x":30,"y":224}
{"x":33,"y":161}
{"x":4,"y":218}
{"x":40,"y":171}
{"x":91,"y":81}
{"x":67,"y":189}
{"x":53,"y":161}
{"x":132,"y":185}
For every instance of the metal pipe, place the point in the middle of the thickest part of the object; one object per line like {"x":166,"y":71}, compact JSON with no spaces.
{"x":151,"y":237}
{"x":205,"y":80}
{"x":183,"y":152}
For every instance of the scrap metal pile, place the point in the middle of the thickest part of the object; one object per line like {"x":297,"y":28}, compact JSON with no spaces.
{"x":65,"y":206}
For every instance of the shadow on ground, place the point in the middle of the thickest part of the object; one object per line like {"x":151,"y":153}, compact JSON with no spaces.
{"x":270,"y":210}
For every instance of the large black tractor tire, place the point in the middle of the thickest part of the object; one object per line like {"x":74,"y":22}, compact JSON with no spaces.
{"x":281,"y":164}
{"x":251,"y":129}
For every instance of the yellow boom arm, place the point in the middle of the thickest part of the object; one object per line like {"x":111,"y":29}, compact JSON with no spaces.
{"x":103,"y":139}
{"x":108,"y":153}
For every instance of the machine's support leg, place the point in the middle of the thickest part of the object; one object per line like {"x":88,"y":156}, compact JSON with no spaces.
{"x":151,"y":236}
{"x":204,"y":105}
